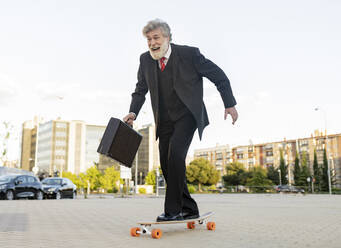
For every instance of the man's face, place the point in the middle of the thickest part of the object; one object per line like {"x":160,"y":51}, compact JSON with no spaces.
{"x":157,"y":43}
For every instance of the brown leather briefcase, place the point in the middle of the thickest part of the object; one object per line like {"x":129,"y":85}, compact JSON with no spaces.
{"x":120,"y":142}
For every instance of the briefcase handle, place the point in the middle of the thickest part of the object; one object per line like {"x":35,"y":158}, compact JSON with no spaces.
{"x":128,"y":124}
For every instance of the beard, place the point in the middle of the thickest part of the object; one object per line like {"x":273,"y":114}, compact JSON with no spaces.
{"x":158,"y":54}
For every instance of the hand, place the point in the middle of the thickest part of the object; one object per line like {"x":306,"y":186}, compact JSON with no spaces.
{"x":233,"y":112}
{"x":129,"y":119}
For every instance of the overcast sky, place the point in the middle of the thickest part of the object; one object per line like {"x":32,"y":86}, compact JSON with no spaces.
{"x":79,"y":60}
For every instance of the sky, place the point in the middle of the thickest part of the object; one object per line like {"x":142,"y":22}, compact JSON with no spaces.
{"x":78,"y":59}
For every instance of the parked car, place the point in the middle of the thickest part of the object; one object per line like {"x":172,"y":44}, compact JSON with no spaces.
{"x":59,"y":187}
{"x":20,"y":186}
{"x":289,"y":189}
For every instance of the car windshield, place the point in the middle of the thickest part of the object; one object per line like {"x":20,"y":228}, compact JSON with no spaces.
{"x":52,"y":181}
{"x":5,"y":179}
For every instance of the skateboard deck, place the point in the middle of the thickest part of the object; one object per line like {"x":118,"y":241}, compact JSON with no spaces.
{"x":157,"y":233}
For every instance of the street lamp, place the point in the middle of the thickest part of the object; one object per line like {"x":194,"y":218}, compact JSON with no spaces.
{"x":308,"y":180}
{"x":136,"y":165}
{"x":280,"y":178}
{"x":136,"y":162}
{"x":326,"y":146}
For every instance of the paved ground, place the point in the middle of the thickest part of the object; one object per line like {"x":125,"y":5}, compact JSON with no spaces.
{"x":243,"y":220}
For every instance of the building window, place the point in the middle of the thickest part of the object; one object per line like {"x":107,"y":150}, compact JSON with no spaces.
{"x":269,"y":153}
{"x":219,"y":156}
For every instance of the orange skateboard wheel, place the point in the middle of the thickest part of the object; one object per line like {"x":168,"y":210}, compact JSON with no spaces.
{"x":211,"y":226}
{"x":190,"y":225}
{"x":134,"y":231}
{"x":156,"y":233}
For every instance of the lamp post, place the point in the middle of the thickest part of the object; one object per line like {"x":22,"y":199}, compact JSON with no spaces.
{"x":136,"y":164}
{"x":280,"y":178}
{"x":136,"y":160}
{"x":308,"y":180}
{"x":312,"y":184}
{"x":157,"y":181}
{"x":326,"y":146}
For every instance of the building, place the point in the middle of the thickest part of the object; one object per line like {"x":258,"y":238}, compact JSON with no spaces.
{"x":28,"y":144}
{"x":220,"y":156}
{"x":72,"y":146}
{"x":62,"y":146}
{"x":269,"y":154}
{"x":148,"y":153}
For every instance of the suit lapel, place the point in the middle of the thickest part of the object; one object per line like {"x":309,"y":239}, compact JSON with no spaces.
{"x":176,"y":61}
{"x":154,"y":85}
{"x":152,"y":71}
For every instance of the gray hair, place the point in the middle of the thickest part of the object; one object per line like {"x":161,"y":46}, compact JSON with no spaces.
{"x":155,"y":24}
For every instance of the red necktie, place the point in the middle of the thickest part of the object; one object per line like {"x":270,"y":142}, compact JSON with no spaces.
{"x":162,"y":63}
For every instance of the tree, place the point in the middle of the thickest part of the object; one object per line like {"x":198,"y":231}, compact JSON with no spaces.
{"x":200,"y":171}
{"x":297,"y":170}
{"x":259,"y":179}
{"x":5,"y":132}
{"x":82,"y":183}
{"x":94,"y":175}
{"x":235,"y":174}
{"x":324,"y":176}
{"x":305,"y":172}
{"x":273,"y":175}
{"x":70,"y":176}
{"x":110,"y":178}
{"x":151,"y":178}
{"x":283,"y":168}
{"x":316,"y":172}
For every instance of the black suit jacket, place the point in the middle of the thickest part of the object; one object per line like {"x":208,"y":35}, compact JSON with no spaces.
{"x":190,"y":66}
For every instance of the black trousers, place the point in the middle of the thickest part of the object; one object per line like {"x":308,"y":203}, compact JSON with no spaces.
{"x":175,"y":138}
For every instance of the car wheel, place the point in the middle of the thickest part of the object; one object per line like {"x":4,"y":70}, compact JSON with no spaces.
{"x":74,"y":195}
{"x":9,"y":195}
{"x":39,"y":195}
{"x":58,"y":195}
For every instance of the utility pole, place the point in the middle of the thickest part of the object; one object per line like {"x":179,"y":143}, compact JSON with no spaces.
{"x":157,"y":181}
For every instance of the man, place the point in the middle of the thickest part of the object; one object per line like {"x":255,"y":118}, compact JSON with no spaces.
{"x":173,"y":75}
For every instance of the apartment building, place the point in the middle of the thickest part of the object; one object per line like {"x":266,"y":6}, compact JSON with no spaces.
{"x":220,"y":156}
{"x":268,"y":154}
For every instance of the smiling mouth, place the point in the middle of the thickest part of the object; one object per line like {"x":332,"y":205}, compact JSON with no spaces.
{"x":155,"y":49}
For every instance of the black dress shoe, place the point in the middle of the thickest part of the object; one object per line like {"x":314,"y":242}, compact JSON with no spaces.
{"x":169,"y":217}
{"x":190,"y":215}
{"x":161,"y":217}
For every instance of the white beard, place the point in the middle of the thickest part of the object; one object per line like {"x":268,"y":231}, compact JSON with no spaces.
{"x":156,"y":55}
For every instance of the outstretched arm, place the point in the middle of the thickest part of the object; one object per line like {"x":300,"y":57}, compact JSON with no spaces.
{"x":206,"y":68}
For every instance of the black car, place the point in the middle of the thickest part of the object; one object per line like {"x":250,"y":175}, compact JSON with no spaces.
{"x":20,"y":186}
{"x":289,"y":189}
{"x":59,"y":187}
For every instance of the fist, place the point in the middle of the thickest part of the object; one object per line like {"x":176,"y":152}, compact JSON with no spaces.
{"x":129,"y":119}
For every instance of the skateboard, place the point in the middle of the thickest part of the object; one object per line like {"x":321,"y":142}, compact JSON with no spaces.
{"x":157,"y":233}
